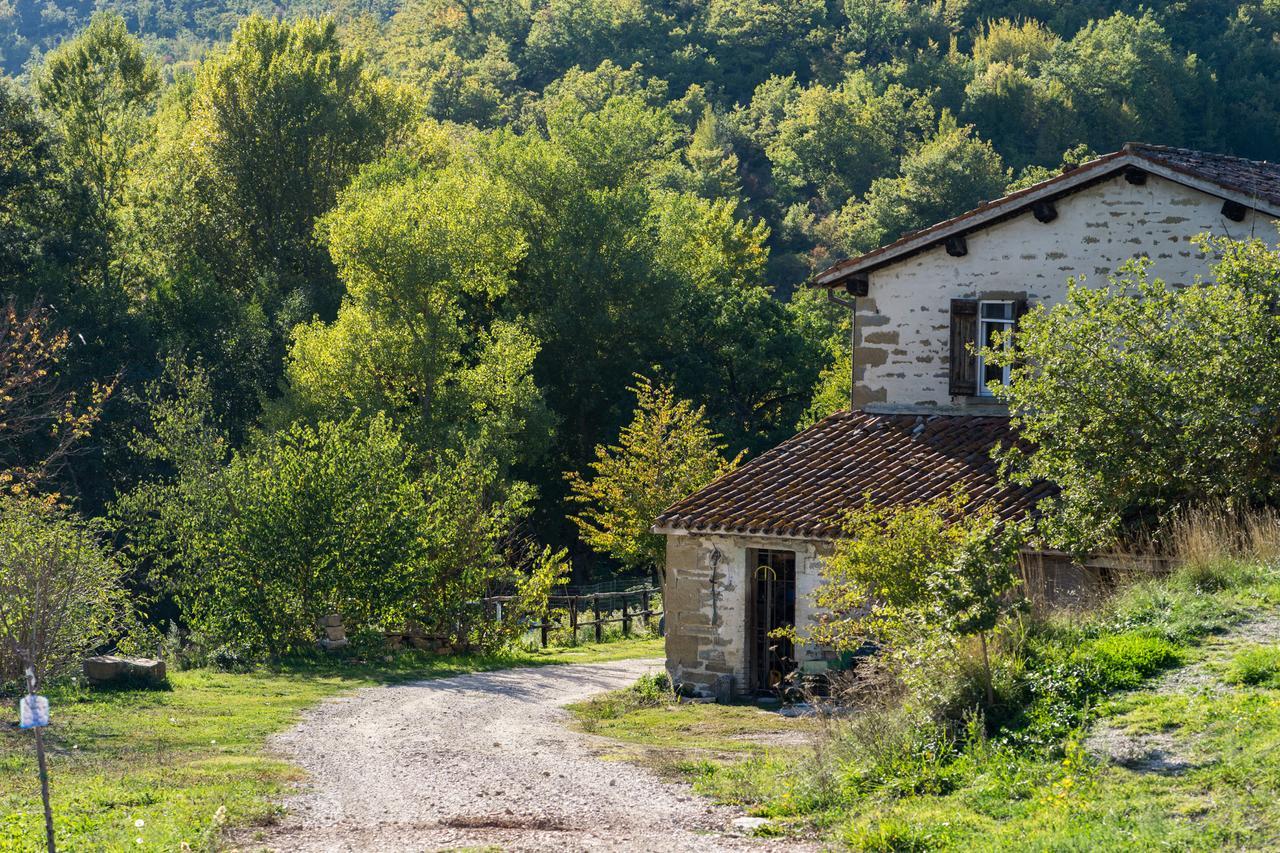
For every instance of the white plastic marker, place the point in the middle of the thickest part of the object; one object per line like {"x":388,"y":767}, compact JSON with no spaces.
{"x":33,"y":711}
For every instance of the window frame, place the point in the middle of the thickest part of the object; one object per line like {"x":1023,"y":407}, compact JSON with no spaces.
{"x":984,"y":336}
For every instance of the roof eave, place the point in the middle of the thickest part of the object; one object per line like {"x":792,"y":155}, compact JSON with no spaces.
{"x":1014,"y":203}
{"x":978,"y":217}
{"x":766,"y":533}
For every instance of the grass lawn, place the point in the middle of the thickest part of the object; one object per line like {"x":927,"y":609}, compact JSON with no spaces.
{"x":1203,"y":723}
{"x":188,"y":761}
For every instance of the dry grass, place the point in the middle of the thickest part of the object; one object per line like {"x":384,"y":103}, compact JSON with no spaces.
{"x":1204,"y":537}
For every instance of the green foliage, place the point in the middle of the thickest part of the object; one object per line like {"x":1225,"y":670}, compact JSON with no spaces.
{"x":308,"y":523}
{"x":973,"y":594}
{"x":61,"y":590}
{"x":98,"y":88}
{"x":953,"y":171}
{"x":667,"y":452}
{"x":1256,"y":666}
{"x":898,"y":568}
{"x":1123,"y":661}
{"x":1109,"y":389}
{"x":422,"y":251}
{"x":280,"y":120}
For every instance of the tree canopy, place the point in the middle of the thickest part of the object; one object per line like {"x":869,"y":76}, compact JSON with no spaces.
{"x":464,"y":228}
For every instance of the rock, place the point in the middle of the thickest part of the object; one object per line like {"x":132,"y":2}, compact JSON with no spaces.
{"x":115,"y":669}
{"x":333,"y":620}
{"x":749,"y":825}
{"x":334,"y":634}
{"x":103,"y":668}
{"x":329,"y":645}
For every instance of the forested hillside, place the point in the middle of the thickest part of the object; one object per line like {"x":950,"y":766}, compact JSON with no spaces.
{"x":409,"y":263}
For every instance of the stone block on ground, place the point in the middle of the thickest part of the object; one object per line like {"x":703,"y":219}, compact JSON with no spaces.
{"x":749,"y":825}
{"x":333,"y":634}
{"x":117,"y":669}
{"x":329,"y":645}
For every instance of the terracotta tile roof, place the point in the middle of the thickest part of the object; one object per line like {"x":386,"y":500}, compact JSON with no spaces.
{"x":804,"y":486}
{"x":1256,"y":181}
{"x":1255,"y":178}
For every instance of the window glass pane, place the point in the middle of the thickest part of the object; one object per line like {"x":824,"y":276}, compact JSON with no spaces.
{"x":997,"y":310}
{"x":990,"y":331}
{"x":991,"y":373}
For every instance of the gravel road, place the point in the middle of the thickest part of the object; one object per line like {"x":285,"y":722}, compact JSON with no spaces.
{"x":485,"y":760}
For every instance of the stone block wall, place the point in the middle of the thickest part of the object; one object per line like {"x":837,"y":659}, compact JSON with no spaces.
{"x":902,"y":350}
{"x":707,"y":604}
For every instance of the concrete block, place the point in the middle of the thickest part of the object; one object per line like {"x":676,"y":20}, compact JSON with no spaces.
{"x":116,"y":669}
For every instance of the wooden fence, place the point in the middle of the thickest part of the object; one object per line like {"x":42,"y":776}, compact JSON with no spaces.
{"x":633,"y":604}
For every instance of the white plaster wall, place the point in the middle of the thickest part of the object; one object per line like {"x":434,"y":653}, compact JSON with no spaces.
{"x":903,"y":344}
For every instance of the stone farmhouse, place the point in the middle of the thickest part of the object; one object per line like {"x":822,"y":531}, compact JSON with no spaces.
{"x":744,"y":553}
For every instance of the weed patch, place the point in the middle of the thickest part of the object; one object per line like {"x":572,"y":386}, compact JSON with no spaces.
{"x":1258,"y":666}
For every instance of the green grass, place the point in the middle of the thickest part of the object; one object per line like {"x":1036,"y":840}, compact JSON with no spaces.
{"x":188,"y":761}
{"x":1259,"y":665}
{"x":901,"y":780}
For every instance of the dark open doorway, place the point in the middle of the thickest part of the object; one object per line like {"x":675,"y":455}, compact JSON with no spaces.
{"x":773,"y":591}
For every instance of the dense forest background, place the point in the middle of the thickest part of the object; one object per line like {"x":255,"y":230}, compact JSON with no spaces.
{"x":454,"y":233}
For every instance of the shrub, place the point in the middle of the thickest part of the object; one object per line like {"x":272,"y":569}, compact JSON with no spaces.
{"x":1258,"y":666}
{"x":60,"y":589}
{"x":903,"y":572}
{"x":1121,"y":421}
{"x":1123,"y":661}
{"x":650,"y":691}
{"x":895,"y":752}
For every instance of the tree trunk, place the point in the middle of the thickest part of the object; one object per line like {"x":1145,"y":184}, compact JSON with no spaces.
{"x":986,"y":669}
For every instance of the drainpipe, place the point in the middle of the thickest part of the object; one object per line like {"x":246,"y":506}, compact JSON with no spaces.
{"x":852,"y":305}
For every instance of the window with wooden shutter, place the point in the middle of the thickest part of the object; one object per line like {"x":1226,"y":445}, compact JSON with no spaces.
{"x":964,"y":334}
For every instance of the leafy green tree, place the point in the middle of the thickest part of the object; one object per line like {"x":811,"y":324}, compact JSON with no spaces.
{"x":713,"y":167}
{"x":755,"y":39}
{"x":99,"y":87}
{"x":952,"y":172}
{"x":37,"y":226}
{"x":279,"y":122}
{"x":61,"y":589}
{"x":422,"y":252}
{"x":733,"y":346}
{"x":877,"y":32}
{"x":667,"y":452}
{"x":585,"y":33}
{"x":1127,"y":82}
{"x":972,"y":593}
{"x":1028,"y":119}
{"x":303,"y":523}
{"x":1108,"y":389}
{"x":832,"y":142}
{"x":876,"y":581}
{"x":902,"y":571}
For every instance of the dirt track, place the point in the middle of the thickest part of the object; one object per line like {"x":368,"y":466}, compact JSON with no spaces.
{"x":484,"y":760}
